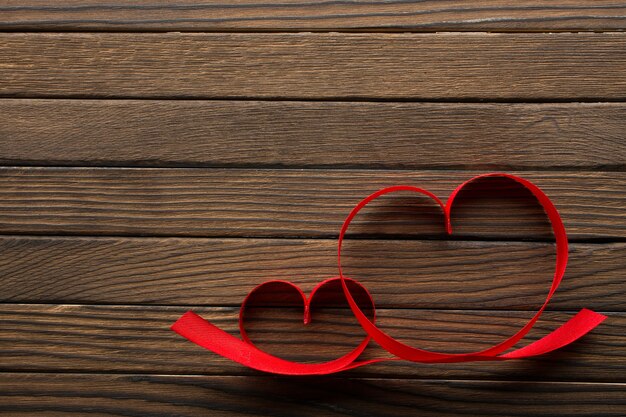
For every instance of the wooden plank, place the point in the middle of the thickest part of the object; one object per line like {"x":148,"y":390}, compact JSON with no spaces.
{"x":156,"y":395}
{"x":431,"y":274}
{"x":226,"y":202}
{"x":445,"y":66}
{"x":302,"y":15}
{"x":74,"y":338}
{"x":313,"y":134}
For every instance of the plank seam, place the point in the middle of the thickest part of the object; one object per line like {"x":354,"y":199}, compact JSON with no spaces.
{"x":338,"y":99}
{"x":335,"y":376}
{"x":330,"y":236}
{"x":599,"y":168}
{"x":235,"y":307}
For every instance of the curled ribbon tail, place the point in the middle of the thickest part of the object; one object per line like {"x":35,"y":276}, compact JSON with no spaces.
{"x":575,"y":328}
{"x":199,"y":331}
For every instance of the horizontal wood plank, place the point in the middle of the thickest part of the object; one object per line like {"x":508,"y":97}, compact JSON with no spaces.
{"x":306,"y":15}
{"x":156,"y":395}
{"x":443,"y":66}
{"x":73,"y":338}
{"x":430,"y":274}
{"x":313,"y":134}
{"x":227,"y":202}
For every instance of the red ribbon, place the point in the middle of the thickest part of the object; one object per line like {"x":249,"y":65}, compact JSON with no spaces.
{"x":205,"y":334}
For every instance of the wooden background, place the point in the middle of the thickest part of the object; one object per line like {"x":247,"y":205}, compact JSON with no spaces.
{"x":160,"y":157}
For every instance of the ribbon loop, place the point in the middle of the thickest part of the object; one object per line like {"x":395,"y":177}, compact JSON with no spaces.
{"x":243,"y":351}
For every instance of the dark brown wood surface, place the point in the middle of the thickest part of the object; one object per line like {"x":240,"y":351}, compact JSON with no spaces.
{"x":220,"y":272}
{"x":320,"y":134}
{"x":79,"y":338}
{"x":145,"y":172}
{"x":442,"y":66}
{"x":312,"y":15}
{"x":277,"y":202}
{"x":194,"y":395}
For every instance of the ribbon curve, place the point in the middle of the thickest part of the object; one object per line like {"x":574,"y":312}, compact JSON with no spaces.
{"x":203,"y":333}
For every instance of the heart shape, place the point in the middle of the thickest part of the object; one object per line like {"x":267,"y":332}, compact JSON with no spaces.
{"x":281,"y":293}
{"x":205,"y":334}
{"x":579,"y":325}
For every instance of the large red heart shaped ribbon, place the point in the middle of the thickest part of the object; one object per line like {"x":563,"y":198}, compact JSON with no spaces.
{"x":205,"y":334}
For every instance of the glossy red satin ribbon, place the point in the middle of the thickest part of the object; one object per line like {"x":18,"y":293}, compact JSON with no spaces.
{"x":205,"y":334}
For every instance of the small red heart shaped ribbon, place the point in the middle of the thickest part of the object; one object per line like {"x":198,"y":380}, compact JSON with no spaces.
{"x":243,"y":351}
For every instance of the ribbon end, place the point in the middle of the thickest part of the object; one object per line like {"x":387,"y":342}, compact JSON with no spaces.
{"x":183,"y":320}
{"x":595,"y":317}
{"x":582,"y":323}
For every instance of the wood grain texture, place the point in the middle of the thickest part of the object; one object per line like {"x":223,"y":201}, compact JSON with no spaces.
{"x":73,"y":338}
{"x":250,"y":148}
{"x":313,"y":15}
{"x":408,"y":274}
{"x":443,"y":66}
{"x":313,"y":134}
{"x":115,"y":395}
{"x":296,"y":203}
